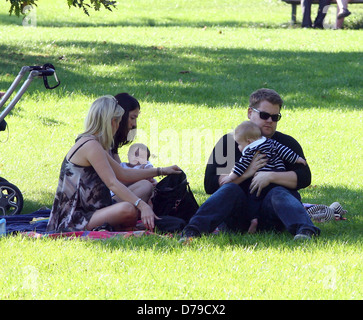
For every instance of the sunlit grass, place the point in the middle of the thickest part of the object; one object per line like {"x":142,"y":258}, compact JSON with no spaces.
{"x":192,"y":67}
{"x":223,"y":267}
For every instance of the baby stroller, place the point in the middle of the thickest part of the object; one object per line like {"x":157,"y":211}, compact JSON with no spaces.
{"x":11,"y":199}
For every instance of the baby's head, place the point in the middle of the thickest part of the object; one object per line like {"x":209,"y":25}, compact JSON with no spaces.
{"x":246,"y":133}
{"x":138,"y":154}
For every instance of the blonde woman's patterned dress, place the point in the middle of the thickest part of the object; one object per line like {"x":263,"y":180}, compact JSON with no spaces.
{"x":79,"y":194}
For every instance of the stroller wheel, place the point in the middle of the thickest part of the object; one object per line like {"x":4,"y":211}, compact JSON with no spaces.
{"x":11,"y":199}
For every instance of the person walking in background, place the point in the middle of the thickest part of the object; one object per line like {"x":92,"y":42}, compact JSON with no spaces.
{"x":306,"y":10}
{"x":342,"y":12}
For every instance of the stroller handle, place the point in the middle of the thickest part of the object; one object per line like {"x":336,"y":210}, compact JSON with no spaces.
{"x":44,"y":71}
{"x":47,"y":73}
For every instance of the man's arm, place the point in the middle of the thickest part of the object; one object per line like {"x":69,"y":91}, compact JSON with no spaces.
{"x":262,"y":179}
{"x":302,"y":172}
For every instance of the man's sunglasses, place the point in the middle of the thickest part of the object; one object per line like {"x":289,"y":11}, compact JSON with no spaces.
{"x":265,"y":115}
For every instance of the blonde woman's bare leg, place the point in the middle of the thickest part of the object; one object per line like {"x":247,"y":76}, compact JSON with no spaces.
{"x":142,"y":189}
{"x":120,"y":216}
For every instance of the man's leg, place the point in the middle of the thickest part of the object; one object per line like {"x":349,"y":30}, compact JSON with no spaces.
{"x":306,"y":11}
{"x":227,"y":205}
{"x":282,"y":209}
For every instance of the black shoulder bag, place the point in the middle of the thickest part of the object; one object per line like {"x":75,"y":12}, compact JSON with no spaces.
{"x":174,"y":198}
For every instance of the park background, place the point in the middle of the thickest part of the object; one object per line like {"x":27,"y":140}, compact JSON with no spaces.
{"x":192,"y":65}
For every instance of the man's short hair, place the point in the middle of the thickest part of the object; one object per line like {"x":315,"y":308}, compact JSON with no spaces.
{"x":265,"y":94}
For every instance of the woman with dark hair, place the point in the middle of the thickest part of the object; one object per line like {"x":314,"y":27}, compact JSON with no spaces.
{"x":126,"y":134}
{"x":128,"y":122}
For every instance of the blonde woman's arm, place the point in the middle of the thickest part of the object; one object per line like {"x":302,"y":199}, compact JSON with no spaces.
{"x":130,"y":176}
{"x":99,"y":160}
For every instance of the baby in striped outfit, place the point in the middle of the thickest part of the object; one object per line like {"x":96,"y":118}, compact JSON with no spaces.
{"x":250,"y":140}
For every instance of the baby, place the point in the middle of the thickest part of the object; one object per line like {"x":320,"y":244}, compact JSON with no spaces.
{"x":138,"y":157}
{"x":250,"y":140}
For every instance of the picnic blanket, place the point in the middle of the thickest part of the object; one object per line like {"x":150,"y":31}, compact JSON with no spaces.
{"x":88,"y":234}
{"x":34,"y":225}
{"x":36,"y":221}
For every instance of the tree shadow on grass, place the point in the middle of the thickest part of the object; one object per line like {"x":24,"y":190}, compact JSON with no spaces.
{"x":44,"y":200}
{"x":213,"y":77}
{"x":167,"y":21}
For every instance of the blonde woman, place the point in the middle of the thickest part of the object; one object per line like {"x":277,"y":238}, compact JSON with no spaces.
{"x":88,"y":173}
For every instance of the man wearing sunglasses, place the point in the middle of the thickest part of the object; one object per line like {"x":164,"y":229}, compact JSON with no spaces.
{"x":281,"y":208}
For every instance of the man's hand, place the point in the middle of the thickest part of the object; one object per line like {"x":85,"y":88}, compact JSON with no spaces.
{"x":258,"y":162}
{"x":223,"y":179}
{"x":301,"y":161}
{"x":260,"y":180}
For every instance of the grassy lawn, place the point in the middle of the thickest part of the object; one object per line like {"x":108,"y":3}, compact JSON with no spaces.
{"x":229,"y":49}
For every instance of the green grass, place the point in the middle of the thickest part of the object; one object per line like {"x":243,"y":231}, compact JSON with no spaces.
{"x":222,"y":267}
{"x":230,"y":49}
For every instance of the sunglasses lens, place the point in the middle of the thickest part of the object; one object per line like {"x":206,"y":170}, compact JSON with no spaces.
{"x":274,"y":117}
{"x":264,"y":115}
